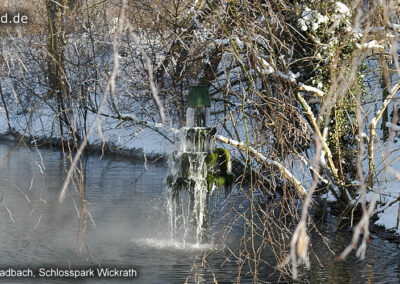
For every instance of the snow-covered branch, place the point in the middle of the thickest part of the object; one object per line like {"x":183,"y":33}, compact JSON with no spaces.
{"x":292,"y":78}
{"x":259,"y":156}
{"x":370,"y":45}
{"x":311,"y":89}
{"x":319,"y":134}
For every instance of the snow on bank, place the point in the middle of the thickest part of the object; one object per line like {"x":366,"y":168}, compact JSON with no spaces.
{"x":387,"y":187}
{"x":139,"y":140}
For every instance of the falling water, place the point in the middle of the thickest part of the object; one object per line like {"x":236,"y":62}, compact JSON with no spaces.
{"x":197,"y":117}
{"x":188,"y":186}
{"x":196,"y":170}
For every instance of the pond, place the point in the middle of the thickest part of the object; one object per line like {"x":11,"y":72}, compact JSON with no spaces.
{"x":128,"y":228}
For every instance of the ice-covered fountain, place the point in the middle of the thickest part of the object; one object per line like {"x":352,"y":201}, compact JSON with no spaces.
{"x":197,"y":168}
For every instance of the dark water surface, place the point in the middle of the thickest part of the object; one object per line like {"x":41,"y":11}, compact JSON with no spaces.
{"x":130,"y":228}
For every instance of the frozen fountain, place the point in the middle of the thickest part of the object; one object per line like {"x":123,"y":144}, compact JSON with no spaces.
{"x":197,"y":168}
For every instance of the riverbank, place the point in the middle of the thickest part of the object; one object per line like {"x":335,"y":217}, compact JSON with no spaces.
{"x":107,"y":149}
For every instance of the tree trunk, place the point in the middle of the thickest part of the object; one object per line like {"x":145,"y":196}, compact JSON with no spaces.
{"x":385,"y":93}
{"x":6,"y":109}
{"x":56,"y":72}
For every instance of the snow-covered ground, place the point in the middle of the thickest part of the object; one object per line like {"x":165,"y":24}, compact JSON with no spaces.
{"x":387,"y":187}
{"x":139,"y":140}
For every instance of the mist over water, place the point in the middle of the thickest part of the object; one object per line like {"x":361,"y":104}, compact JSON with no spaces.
{"x":128,"y":223}
{"x":128,"y":205}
